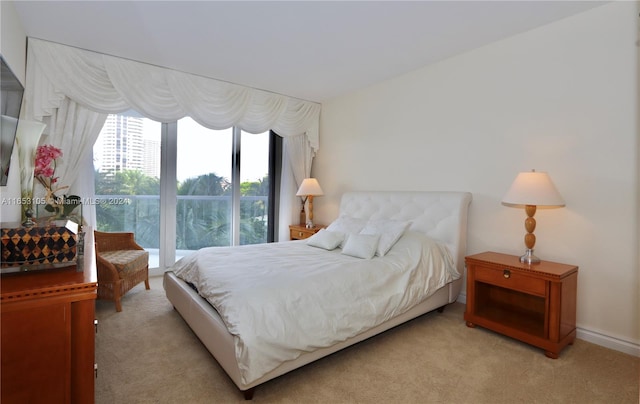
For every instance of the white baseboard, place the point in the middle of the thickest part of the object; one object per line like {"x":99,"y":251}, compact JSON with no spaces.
{"x":594,"y":337}
{"x":608,"y":341}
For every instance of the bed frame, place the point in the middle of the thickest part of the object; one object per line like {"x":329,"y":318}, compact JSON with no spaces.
{"x":440,"y":215}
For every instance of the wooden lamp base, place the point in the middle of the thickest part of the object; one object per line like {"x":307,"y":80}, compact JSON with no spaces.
{"x":530,"y":238}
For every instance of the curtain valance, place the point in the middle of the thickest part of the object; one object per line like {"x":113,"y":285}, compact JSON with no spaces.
{"x":109,"y":84}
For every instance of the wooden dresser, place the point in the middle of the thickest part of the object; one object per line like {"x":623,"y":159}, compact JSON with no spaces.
{"x":48,"y":333}
{"x":535,"y":303}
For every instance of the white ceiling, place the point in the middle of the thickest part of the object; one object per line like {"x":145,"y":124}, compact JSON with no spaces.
{"x":306,"y":49}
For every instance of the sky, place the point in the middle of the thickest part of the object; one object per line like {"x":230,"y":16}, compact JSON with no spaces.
{"x":203,"y":151}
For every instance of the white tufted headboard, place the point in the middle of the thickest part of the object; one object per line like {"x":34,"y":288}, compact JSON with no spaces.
{"x":440,"y":215}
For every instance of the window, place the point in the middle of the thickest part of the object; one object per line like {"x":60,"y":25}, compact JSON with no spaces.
{"x":207,"y":187}
{"x":128,"y":191}
{"x":204,"y":172}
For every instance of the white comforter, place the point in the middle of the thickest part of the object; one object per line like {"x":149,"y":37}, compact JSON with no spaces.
{"x":282,"y":299}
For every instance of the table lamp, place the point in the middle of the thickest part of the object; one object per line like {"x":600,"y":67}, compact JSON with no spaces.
{"x":308,"y":189}
{"x":532,"y":189}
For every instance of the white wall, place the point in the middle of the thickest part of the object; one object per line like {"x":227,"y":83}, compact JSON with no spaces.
{"x":13,"y":47}
{"x":562,"y":98}
{"x":13,"y":40}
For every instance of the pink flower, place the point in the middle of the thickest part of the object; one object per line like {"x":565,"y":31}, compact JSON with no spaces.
{"x":47,"y":172}
{"x":45,"y":165}
{"x":46,"y":155}
{"x":44,"y":171}
{"x":49,"y":151}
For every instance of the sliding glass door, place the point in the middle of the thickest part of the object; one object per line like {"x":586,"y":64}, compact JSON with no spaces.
{"x":254,"y":187}
{"x":127,"y":179}
{"x":204,"y":194}
{"x":184,"y":186}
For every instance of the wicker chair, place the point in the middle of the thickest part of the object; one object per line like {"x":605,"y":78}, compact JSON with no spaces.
{"x":122,"y":264}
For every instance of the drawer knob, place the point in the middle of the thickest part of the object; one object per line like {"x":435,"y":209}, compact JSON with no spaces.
{"x":300,"y":234}
{"x":506,"y":273}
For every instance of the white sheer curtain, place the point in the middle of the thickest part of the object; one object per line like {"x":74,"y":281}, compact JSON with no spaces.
{"x":298,"y":156}
{"x":72,"y":89}
{"x":74,"y":129}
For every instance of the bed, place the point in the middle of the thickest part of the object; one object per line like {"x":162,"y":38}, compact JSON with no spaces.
{"x":388,"y":257}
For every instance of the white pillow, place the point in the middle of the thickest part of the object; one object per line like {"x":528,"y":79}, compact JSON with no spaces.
{"x":347,"y":225}
{"x":361,"y":245}
{"x":326,"y":239}
{"x":390,"y":232}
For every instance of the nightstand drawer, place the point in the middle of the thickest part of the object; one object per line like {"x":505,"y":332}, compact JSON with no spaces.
{"x":511,"y":279}
{"x":298,"y":234}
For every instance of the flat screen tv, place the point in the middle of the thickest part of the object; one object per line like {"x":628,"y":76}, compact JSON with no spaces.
{"x":11,"y":91}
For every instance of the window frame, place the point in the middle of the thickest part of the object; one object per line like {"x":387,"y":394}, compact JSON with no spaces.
{"x":169,"y":196}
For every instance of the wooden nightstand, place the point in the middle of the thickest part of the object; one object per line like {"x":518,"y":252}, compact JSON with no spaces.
{"x":299,"y":232}
{"x":534,"y":303}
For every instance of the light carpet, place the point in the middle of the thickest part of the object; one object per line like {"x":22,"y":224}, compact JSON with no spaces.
{"x":148,"y":354}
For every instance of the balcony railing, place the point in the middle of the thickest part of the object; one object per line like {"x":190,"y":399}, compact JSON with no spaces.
{"x":201,"y":221}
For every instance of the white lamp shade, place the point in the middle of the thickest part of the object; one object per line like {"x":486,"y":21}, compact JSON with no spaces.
{"x":533,"y":188}
{"x":309,"y":186}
